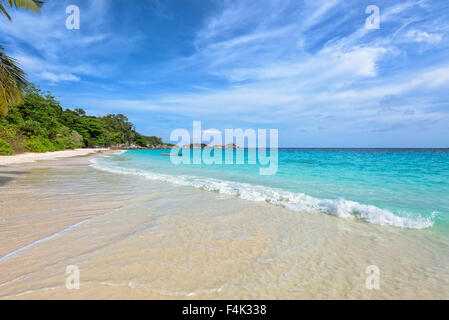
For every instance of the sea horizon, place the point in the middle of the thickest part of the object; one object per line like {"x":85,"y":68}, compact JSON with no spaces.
{"x":224,"y":150}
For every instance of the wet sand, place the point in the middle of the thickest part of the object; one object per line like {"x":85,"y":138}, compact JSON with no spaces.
{"x":138,"y":239}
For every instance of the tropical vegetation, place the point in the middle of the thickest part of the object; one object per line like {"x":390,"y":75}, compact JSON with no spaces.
{"x":12,"y":77}
{"x":12,"y":83}
{"x":40,"y":124}
{"x":31,"y":120}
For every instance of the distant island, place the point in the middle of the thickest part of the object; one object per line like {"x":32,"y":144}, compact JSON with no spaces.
{"x":40,"y":124}
{"x":205,"y":146}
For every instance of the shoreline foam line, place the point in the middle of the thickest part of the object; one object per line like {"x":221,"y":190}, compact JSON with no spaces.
{"x":294,"y":201}
{"x":36,"y":242}
{"x":50,"y":237}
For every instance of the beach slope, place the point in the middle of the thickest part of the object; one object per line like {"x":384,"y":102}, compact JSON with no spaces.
{"x":32,"y":157}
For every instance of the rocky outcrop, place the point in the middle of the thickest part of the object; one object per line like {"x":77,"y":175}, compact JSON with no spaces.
{"x":228,"y":146}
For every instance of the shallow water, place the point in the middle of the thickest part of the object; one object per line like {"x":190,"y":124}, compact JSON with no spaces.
{"x":397,"y":187}
{"x":137,"y":238}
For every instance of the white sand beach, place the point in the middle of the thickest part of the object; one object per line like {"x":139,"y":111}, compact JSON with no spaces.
{"x":138,"y":239}
{"x":32,"y":157}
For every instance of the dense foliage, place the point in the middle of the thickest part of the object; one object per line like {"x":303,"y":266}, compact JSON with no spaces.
{"x":5,"y":148}
{"x":40,"y":124}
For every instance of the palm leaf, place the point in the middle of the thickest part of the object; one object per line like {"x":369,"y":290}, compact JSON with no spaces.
{"x":12,"y":77}
{"x":33,"y":5}
{"x":3,"y":11}
{"x":12,"y":83}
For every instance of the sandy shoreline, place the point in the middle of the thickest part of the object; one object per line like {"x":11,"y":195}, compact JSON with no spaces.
{"x":138,"y":239}
{"x":33,"y":157}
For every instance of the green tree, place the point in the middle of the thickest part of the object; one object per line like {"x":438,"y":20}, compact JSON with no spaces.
{"x":80,"y":112}
{"x":40,"y":124}
{"x":120,"y":123}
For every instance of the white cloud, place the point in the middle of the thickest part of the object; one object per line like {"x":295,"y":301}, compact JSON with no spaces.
{"x":360,"y":61}
{"x":309,"y":63}
{"x":270,"y":79}
{"x":54,"y":78}
{"x":422,"y":36}
{"x":42,"y":69}
{"x":48,"y":51}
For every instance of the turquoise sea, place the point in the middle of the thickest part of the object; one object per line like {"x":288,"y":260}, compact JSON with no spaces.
{"x":405,"y":188}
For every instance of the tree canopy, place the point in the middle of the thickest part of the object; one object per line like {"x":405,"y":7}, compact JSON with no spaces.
{"x":40,"y":124}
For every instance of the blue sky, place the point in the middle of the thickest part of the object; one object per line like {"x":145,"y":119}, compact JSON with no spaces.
{"x":309,"y":68}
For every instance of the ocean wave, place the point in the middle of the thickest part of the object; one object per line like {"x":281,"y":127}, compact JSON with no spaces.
{"x":290,"y":200}
{"x":120,"y":152}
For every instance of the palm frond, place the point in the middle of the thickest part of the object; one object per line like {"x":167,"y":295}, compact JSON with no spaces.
{"x":33,"y":5}
{"x":12,"y":78}
{"x":4,"y":12}
{"x":12,"y":82}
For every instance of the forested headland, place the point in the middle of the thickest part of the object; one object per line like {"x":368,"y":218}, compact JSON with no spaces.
{"x":40,"y":124}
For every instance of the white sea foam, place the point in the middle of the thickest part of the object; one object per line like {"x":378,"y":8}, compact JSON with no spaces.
{"x":120,"y":152}
{"x":290,"y":200}
{"x":50,"y":237}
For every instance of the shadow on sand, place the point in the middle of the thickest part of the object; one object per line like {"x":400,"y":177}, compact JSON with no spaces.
{"x":8,"y":176}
